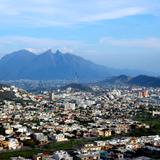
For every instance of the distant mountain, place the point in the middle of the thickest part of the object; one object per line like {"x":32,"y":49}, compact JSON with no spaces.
{"x":12,"y":65}
{"x":147,"y":81}
{"x":24,"y":64}
{"x":115,"y":80}
{"x":141,"y":80}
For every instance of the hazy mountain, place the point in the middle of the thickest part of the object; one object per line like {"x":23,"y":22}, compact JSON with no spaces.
{"x":12,"y":65}
{"x":141,"y":80}
{"x":115,"y":80}
{"x":24,"y":64}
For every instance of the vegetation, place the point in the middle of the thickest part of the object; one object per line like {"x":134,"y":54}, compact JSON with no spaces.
{"x":50,"y":148}
{"x":147,"y":118}
{"x":24,"y":153}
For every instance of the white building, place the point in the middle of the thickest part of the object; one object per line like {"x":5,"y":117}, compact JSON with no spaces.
{"x":62,"y":155}
{"x":13,"y":143}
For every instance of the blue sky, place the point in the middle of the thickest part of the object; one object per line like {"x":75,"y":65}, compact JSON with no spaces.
{"x":115,"y":33}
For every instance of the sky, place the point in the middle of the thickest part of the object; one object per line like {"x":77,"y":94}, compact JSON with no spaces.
{"x":114,"y":33}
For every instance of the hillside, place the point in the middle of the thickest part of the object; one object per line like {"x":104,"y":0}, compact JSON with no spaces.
{"x":147,"y":81}
{"x":141,"y":80}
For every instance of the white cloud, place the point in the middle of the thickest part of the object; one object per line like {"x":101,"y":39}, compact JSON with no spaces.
{"x":153,"y":43}
{"x":115,"y":14}
{"x":41,"y":13}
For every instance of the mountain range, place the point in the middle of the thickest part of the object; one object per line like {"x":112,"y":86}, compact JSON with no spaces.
{"x":24,"y":64}
{"x":141,"y":80}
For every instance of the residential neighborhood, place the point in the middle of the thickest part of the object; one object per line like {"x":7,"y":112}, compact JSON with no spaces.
{"x":110,"y":120}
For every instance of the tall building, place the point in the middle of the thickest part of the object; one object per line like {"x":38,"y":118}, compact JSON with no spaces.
{"x":143,"y":94}
{"x":51,"y":96}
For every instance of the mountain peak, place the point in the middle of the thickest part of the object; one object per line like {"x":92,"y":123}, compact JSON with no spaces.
{"x":49,"y":51}
{"x":19,"y":54}
{"x":58,"y":52}
{"x":22,"y":51}
{"x":49,"y":66}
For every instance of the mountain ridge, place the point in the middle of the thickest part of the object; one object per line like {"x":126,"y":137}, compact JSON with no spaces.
{"x":24,"y":64}
{"x":140,"y":80}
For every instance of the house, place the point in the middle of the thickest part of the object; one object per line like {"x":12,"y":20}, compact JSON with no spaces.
{"x":60,"y":137}
{"x":92,"y":156}
{"x":2,"y":138}
{"x":59,"y":155}
{"x":38,"y":156}
{"x":40,"y":137}
{"x":90,"y":148}
{"x":3,"y":145}
{"x":105,"y":154}
{"x":104,"y":133}
{"x":9,"y":130}
{"x":13,"y":143}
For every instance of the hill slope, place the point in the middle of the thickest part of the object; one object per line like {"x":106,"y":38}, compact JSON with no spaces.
{"x":147,"y":81}
{"x":115,"y":80}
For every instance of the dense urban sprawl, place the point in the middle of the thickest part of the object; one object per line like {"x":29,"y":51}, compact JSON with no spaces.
{"x":111,"y":123}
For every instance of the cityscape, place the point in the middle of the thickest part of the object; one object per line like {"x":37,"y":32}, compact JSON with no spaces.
{"x":79,"y":80}
{"x":76,"y":123}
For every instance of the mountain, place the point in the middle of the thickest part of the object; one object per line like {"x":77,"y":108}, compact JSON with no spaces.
{"x":24,"y":64}
{"x":147,"y":81}
{"x":115,"y":80}
{"x":12,"y":65}
{"x":141,"y":80}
